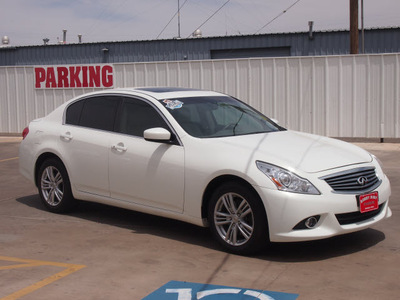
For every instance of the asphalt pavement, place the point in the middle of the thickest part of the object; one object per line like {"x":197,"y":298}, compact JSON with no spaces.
{"x":101,"y":252}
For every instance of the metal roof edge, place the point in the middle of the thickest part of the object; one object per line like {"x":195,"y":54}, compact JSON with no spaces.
{"x":202,"y":38}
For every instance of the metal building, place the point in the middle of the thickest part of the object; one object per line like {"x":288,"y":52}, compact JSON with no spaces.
{"x":380,"y":40}
{"x":354,"y":96}
{"x":305,"y":80}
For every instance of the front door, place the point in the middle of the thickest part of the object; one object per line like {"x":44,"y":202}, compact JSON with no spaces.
{"x":140,"y":171}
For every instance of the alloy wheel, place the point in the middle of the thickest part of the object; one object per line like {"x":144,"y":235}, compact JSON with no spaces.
{"x":52,"y":186}
{"x":234,"y":219}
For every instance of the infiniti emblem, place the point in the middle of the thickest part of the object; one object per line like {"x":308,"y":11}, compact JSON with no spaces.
{"x":362,"y":180}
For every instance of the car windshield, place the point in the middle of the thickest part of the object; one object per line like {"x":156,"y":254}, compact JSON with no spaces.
{"x":217,"y":116}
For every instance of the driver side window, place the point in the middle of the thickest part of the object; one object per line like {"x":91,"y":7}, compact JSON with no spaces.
{"x":136,"y":116}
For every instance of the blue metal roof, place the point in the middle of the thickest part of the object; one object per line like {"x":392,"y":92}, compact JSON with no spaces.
{"x":377,"y":40}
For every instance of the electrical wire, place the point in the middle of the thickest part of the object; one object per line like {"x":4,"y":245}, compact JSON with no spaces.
{"x":277,"y":16}
{"x":171,"y":19}
{"x":210,"y":17}
{"x":104,"y":14}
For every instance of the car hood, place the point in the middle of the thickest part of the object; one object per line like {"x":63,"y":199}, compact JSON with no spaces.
{"x":298,"y":151}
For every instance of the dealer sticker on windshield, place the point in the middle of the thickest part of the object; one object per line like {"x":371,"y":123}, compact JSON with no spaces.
{"x":173,"y":104}
{"x":368,"y":202}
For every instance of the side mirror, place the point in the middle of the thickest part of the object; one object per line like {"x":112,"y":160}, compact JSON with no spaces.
{"x":157,"y":134}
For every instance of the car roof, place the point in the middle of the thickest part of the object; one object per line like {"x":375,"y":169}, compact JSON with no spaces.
{"x":157,"y":93}
{"x":161,"y":93}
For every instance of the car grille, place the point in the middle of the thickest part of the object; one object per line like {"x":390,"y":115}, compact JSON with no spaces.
{"x":353,"y":181}
{"x":355,"y":217}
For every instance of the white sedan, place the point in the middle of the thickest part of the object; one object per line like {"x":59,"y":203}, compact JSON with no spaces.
{"x":205,"y":158}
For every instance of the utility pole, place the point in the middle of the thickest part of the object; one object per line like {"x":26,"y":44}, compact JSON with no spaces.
{"x":362,"y":28}
{"x":179,"y":20}
{"x":354,"y":27}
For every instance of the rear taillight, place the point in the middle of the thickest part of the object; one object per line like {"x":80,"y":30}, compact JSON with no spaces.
{"x":25,"y":132}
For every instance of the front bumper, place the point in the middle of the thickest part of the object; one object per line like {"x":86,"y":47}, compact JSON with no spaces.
{"x":285,"y":210}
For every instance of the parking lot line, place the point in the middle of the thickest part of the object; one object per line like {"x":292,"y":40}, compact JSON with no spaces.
{"x":8,"y":159}
{"x":25,"y":263}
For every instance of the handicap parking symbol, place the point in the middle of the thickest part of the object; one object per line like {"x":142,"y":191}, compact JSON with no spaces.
{"x":179,"y":290}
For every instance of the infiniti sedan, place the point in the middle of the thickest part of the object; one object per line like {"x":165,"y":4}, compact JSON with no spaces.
{"x":205,"y":158}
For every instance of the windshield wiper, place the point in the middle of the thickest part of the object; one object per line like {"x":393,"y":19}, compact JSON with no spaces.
{"x":234,"y":127}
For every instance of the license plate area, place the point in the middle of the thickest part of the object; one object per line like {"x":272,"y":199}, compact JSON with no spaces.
{"x":368,"y":202}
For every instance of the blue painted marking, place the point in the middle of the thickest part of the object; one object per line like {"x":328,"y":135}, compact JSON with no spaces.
{"x":179,"y":290}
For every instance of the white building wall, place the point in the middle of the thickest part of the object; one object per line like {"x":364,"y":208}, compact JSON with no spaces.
{"x":338,"y":96}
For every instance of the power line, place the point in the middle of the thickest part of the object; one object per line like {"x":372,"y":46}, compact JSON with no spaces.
{"x":211,"y":16}
{"x":171,"y":19}
{"x":277,"y":16}
{"x":104,"y":14}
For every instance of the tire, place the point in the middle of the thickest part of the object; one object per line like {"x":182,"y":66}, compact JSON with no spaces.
{"x":237,"y":219}
{"x":54,"y":187}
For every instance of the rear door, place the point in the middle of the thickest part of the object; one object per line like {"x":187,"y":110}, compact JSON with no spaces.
{"x":85,"y":140}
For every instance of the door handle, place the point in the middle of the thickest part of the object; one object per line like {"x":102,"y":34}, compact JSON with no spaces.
{"x":66,"y":136}
{"x":120,"y":147}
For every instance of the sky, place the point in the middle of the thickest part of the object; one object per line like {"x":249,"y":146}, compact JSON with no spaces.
{"x":28,"y":22}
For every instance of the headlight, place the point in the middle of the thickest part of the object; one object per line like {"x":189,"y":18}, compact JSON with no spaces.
{"x":286,"y":180}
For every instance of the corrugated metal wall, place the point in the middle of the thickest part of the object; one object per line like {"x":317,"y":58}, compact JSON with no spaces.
{"x":339,"y":96}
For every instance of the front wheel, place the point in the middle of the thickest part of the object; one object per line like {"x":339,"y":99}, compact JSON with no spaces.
{"x":54,"y":186}
{"x":237,"y":219}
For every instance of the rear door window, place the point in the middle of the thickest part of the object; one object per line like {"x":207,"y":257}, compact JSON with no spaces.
{"x":96,"y":112}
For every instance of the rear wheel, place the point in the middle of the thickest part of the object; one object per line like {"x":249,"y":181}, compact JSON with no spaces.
{"x":54,"y":186}
{"x":237,"y":219}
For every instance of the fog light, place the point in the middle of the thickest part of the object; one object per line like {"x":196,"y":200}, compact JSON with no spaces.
{"x":307,"y":223}
{"x":311,"y":222}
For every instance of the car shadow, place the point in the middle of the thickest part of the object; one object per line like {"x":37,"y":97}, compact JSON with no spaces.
{"x":140,"y":223}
